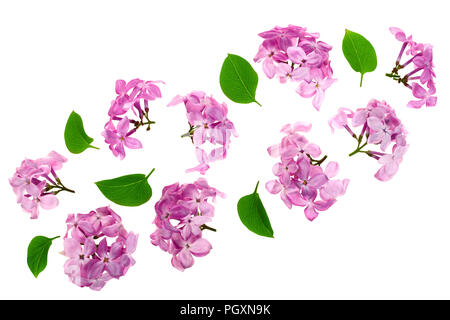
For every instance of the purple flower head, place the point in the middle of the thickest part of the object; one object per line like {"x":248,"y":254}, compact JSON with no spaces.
{"x":293,"y":54}
{"x":181,"y":216}
{"x":380,"y":127}
{"x":92,"y":261}
{"x":36,"y":183}
{"x":420,"y":66}
{"x":130,"y":107}
{"x":300,"y":179}
{"x":208,"y":122}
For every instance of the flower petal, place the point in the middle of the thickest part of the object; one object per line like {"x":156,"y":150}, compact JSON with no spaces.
{"x":317,"y":181}
{"x":116,"y":250}
{"x":114,"y":268}
{"x":72,"y":248}
{"x":296,"y":54}
{"x":185,"y":258}
{"x":273,"y":186}
{"x":375,"y":123}
{"x":122,"y":126}
{"x":132,"y":143}
{"x":306,"y":90}
{"x":201,"y":247}
{"x":332,"y":169}
{"x":48,"y":202}
{"x":310,"y":213}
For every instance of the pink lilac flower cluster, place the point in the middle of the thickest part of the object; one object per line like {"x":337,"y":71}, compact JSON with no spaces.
{"x":301,"y":181}
{"x":380,"y":126}
{"x":135,"y":96}
{"x":294,"y":54}
{"x":181,"y":216}
{"x":421,"y":77}
{"x":36,"y":183}
{"x":208,"y":122}
{"x":92,"y":260}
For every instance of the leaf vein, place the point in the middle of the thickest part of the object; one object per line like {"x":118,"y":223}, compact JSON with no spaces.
{"x":240,"y":79}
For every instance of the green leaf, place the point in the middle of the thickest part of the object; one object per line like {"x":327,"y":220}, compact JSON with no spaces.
{"x":253,"y":214}
{"x":238,"y":80}
{"x":74,"y":135}
{"x":131,"y":190}
{"x":37,"y":254}
{"x":359,"y":53}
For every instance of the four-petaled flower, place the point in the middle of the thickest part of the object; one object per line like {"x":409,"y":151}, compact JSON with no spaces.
{"x":119,"y":137}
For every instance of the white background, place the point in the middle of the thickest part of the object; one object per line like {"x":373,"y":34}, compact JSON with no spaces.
{"x":381,"y":240}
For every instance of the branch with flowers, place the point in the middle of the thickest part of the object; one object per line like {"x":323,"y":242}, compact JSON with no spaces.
{"x":132,"y":96}
{"x":301,"y":181}
{"x":380,"y":127}
{"x":420,"y":59}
